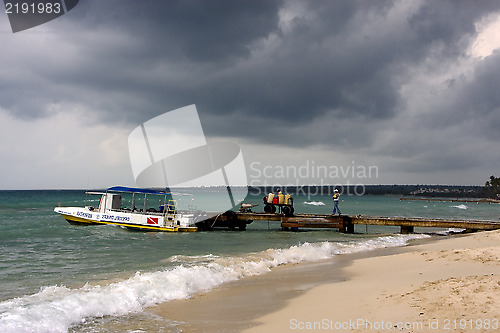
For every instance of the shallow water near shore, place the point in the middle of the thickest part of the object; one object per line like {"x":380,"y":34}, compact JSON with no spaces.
{"x":57,"y":277}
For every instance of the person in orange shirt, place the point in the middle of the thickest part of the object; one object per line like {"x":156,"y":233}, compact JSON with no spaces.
{"x":336,"y":197}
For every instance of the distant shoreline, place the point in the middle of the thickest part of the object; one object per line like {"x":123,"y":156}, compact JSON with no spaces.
{"x":473,"y":200}
{"x":421,"y":191}
{"x":444,"y":191}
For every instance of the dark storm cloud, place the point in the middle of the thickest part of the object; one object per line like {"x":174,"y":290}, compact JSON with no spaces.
{"x":350,"y":69}
{"x":114,"y":54}
{"x":478,"y":101}
{"x":458,"y":129}
{"x":468,"y":103}
{"x":192,"y":30}
{"x":249,"y":67}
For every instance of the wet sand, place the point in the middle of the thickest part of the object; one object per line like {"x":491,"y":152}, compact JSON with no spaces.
{"x":451,"y":285}
{"x":235,"y":306}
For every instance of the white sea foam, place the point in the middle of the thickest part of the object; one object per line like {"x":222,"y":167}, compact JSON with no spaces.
{"x":314,"y":203}
{"x":191,"y":259}
{"x":57,"y":308}
{"x":460,"y":206}
{"x":450,"y":231}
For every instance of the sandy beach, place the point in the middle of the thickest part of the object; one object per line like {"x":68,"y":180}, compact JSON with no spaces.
{"x":451,"y":285}
{"x":447,"y":285}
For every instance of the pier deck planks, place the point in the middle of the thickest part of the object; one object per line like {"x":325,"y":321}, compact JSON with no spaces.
{"x":346,"y":222}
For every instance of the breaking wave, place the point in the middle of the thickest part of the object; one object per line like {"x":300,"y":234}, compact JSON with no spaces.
{"x":58,"y":308}
{"x":460,"y":206}
{"x":314,"y":203}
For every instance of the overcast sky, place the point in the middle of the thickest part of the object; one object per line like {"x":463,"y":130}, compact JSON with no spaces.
{"x":409,"y":87}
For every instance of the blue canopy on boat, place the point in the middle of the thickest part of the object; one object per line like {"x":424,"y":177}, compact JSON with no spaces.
{"x":135,"y":190}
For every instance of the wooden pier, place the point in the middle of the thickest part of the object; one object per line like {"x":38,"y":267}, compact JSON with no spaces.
{"x":345,"y":223}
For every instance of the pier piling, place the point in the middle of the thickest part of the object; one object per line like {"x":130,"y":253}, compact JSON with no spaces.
{"x":406,"y":229}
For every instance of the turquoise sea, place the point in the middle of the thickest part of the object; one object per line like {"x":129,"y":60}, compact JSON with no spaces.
{"x":56,"y":277}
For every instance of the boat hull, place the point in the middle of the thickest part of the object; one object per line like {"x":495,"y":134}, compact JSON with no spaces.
{"x":77,"y":221}
{"x":79,"y":216}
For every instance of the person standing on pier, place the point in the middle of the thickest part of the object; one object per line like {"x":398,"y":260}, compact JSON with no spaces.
{"x":336,"y":197}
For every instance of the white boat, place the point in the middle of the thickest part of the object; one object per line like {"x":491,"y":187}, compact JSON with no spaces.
{"x":135,"y":208}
